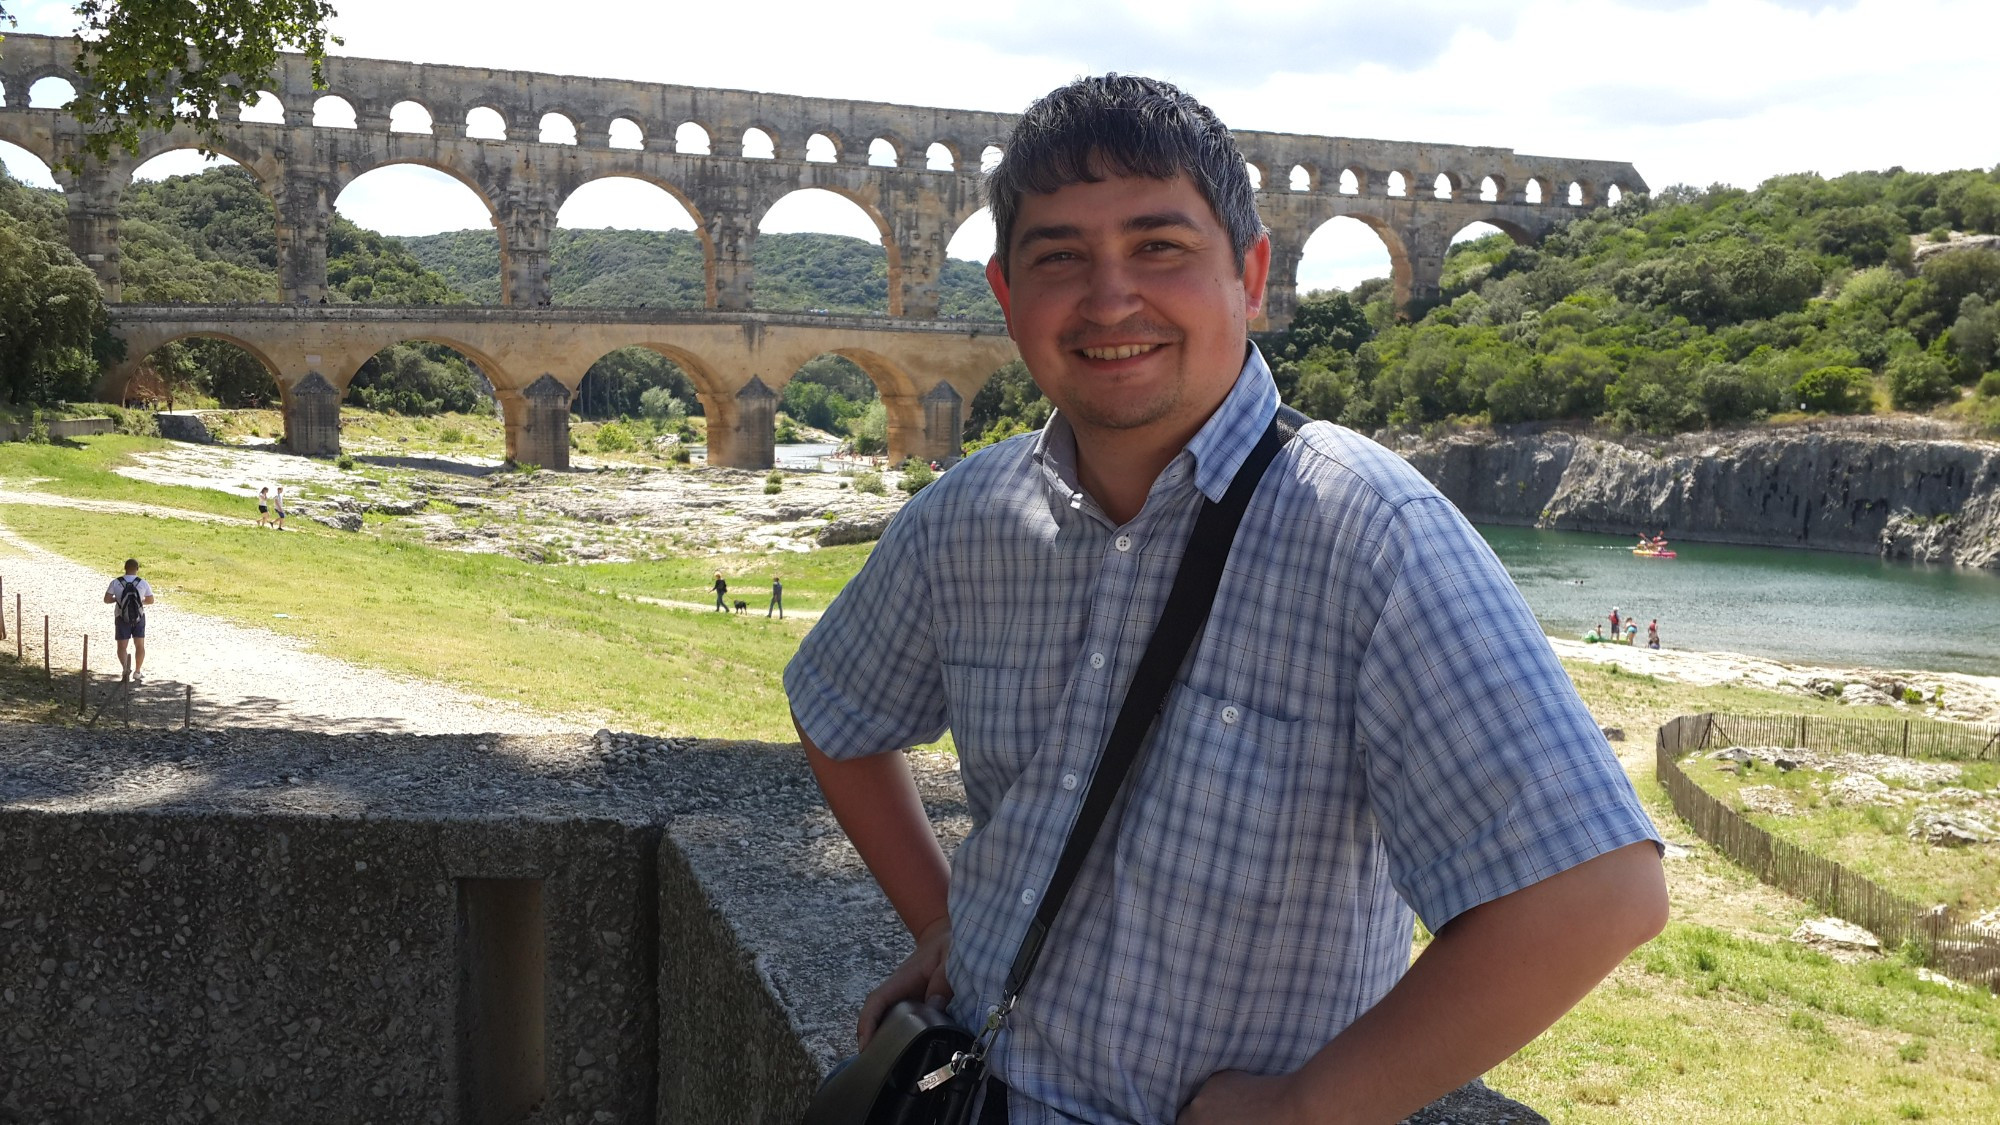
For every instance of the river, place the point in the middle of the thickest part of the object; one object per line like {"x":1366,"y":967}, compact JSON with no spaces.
{"x":1804,"y":606}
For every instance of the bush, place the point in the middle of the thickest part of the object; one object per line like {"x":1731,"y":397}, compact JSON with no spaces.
{"x":775,"y":476}
{"x":451,"y":435}
{"x":613,"y":437}
{"x":659,"y":404}
{"x":1835,"y":390}
{"x":772,"y":488}
{"x":787,"y":432}
{"x":916,"y":476}
{"x":1989,"y":385}
{"x":1919,"y":381}
{"x":871,"y":483}
{"x":344,"y":461}
{"x":680,"y":454}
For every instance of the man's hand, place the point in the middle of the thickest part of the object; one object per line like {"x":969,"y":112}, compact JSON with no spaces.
{"x":919,"y":977}
{"x":1232,"y":1097}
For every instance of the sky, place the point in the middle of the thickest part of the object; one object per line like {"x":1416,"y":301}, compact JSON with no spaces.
{"x":1690,"y":91}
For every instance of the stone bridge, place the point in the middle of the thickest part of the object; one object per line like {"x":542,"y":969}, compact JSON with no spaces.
{"x":523,"y":142}
{"x":927,"y":370}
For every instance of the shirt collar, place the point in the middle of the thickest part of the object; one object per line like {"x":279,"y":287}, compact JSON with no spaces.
{"x":1218,"y":448}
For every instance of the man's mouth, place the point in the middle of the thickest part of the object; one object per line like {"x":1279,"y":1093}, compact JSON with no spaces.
{"x":1119,"y":351}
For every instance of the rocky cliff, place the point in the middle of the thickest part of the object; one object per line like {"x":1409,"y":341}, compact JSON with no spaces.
{"x":1899,"y":496}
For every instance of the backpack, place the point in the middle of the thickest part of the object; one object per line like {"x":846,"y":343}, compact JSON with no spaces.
{"x":131,"y":607}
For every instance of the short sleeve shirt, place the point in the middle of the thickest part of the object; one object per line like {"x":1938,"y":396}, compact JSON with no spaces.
{"x":118,"y":585}
{"x":1330,"y":757}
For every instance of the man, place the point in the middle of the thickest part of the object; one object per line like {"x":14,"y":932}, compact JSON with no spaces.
{"x":131,"y":594}
{"x":1235,"y":947}
{"x":720,"y":589}
{"x":777,"y":598}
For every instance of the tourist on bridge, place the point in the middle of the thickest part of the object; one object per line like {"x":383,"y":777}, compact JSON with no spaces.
{"x":1238,"y":944}
{"x":777,"y":597}
{"x":720,"y":589}
{"x":131,"y":594}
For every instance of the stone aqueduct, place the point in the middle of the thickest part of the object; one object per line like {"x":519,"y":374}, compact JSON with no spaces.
{"x":739,"y":358}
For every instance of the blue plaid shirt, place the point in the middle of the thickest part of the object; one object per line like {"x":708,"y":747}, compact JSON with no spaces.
{"x":1371,"y":722}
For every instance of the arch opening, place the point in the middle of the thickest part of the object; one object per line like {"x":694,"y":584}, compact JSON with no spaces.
{"x":758,"y":145}
{"x":407,"y":201}
{"x":484,"y":123}
{"x":973,"y":241}
{"x":664,"y":255}
{"x":625,"y":133}
{"x":1574,"y":195}
{"x":557,"y":129}
{"x":1256,"y":176}
{"x":51,"y":93}
{"x":646,"y":390}
{"x":262,"y":107}
{"x":333,"y":112}
{"x":1301,"y":179}
{"x":883,"y":153}
{"x":27,"y":168}
{"x":820,"y":149}
{"x":1612,"y":195}
{"x":833,"y":400}
{"x":409,"y":117}
{"x":1534,"y":191}
{"x":1489,"y":190}
{"x":939,"y":157}
{"x":1341,"y":254}
{"x":691,"y":138}
{"x":814,"y":223}
{"x":181,"y":162}
{"x":1350,"y":182}
{"x":423,"y":378}
{"x":1398,"y":184}
{"x":989,"y":158}
{"x":205,"y":370}
{"x":204,"y":236}
{"x":1441,"y":187}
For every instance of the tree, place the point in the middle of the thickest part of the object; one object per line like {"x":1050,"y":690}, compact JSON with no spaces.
{"x":149,"y":65}
{"x":51,"y":315}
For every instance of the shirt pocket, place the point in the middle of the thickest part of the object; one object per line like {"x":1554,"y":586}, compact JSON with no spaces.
{"x":1211,"y":817}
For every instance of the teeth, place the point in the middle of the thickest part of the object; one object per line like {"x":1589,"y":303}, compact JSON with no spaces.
{"x":1122,"y":351}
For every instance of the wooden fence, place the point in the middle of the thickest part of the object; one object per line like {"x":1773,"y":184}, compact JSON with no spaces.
{"x":1950,"y":942}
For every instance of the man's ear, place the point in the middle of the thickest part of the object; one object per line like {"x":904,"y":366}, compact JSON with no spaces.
{"x":1256,"y":271}
{"x":997,"y":278}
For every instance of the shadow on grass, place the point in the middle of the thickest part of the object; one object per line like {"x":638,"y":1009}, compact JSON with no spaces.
{"x":433,"y":464}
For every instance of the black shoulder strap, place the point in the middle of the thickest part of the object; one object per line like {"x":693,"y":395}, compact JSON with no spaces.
{"x":1193,"y":595}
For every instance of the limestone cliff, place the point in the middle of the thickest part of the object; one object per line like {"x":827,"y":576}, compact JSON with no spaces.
{"x":1827,"y":489}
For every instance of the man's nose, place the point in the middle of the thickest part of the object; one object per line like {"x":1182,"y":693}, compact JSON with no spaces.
{"x":1111,"y":294}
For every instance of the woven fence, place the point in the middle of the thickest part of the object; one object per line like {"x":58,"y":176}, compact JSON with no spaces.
{"x":1951,"y":944}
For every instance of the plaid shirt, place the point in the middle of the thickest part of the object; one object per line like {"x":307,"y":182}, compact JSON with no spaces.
{"x":1371,"y":721}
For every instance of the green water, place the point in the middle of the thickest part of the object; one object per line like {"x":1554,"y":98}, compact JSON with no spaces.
{"x":1805,"y":606}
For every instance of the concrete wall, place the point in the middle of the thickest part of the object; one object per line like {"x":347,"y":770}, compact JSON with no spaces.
{"x":60,"y":428}
{"x":261,"y":926}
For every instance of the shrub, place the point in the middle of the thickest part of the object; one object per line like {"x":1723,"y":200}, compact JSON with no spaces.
{"x":775,"y":476}
{"x":451,"y":435}
{"x":680,"y":454}
{"x":787,"y":432}
{"x":772,"y":488}
{"x":871,"y":483}
{"x":344,"y":461}
{"x":916,"y":476}
{"x":613,"y":437}
{"x":38,"y":428}
{"x":1919,"y":380}
{"x":1989,"y":385}
{"x":1835,"y":390}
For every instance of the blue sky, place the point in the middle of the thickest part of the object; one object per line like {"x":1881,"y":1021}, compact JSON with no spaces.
{"x":1692,"y":91}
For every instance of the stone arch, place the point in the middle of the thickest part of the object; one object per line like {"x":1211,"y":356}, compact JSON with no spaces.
{"x":674,"y":192}
{"x":687,"y":141}
{"x":331,"y":111}
{"x":700,"y":371}
{"x":1353,"y":181}
{"x":1579,"y":193}
{"x":592,"y":399}
{"x":1302,"y":178}
{"x":557,"y":128}
{"x":1398,"y":184}
{"x":479,"y":126}
{"x":261,"y":107}
{"x":990,"y":156}
{"x":412,"y":116}
{"x":40,"y":147}
{"x":1521,"y":235}
{"x":1392,"y":241}
{"x":887,"y":150}
{"x":1614,"y":194}
{"x":1256,"y":174}
{"x":1536,"y":191}
{"x":970,"y":210}
{"x":116,"y":384}
{"x":627,"y":125}
{"x":495,"y":374}
{"x":755,"y":139}
{"x":348,"y":173}
{"x":941,"y":156}
{"x":262,"y":166}
{"x":1493,"y":189}
{"x":822,"y":148}
{"x":40,"y":90}
{"x":885,"y":230}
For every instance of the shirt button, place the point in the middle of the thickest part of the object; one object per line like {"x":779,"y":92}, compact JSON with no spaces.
{"x":1230,"y":714}
{"x":1028,"y":897}
{"x":1069,"y":781}
{"x":1097,"y":660}
{"x":1123,"y":542}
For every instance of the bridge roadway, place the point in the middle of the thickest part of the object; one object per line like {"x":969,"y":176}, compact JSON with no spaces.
{"x":926,"y":370}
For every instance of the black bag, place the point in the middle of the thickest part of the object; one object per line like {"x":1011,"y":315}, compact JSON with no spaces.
{"x":131,"y":607}
{"x":923,"y":1069}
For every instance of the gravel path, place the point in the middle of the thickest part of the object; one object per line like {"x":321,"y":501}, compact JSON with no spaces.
{"x":241,"y":677}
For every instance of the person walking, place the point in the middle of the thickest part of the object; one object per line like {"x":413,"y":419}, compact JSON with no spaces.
{"x":264,"y":506}
{"x":131,"y":594}
{"x":720,"y":589}
{"x":1653,"y":633}
{"x":777,"y":597}
{"x":279,"y":505}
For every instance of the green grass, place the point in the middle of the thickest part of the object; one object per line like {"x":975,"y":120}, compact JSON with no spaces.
{"x":1869,"y":839}
{"x":811,"y":578}
{"x":82,"y":469}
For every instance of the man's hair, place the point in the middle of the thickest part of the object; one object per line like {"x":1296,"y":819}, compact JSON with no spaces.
{"x":1122,"y":125}
{"x":131,"y":565}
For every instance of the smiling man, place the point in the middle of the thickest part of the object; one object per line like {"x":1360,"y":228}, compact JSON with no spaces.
{"x":1236,"y":947}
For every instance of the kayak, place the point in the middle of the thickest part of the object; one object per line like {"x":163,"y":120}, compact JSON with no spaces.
{"x":1652,"y":553}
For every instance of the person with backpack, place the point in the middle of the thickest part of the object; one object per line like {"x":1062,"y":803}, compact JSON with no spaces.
{"x":131,"y":595}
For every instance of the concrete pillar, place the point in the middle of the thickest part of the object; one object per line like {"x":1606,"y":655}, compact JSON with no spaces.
{"x":305,"y":213}
{"x":1424,"y":248}
{"x":944,"y":425}
{"x":537,"y":423}
{"x":1281,"y":291}
{"x":526,"y":227}
{"x":733,"y":285}
{"x":920,"y":243}
{"x":742,"y":428}
{"x":312,"y":417}
{"x":94,"y":230}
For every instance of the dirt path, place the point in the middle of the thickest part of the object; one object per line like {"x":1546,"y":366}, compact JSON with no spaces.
{"x":241,"y":677}
{"x":117,"y":507}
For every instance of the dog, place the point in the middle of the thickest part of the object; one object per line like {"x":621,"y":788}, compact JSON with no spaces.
{"x":741,"y":606}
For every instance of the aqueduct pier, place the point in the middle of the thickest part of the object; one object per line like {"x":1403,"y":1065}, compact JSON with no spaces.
{"x":914,"y":170}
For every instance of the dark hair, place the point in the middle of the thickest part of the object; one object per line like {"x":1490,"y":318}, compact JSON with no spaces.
{"x":1122,"y":125}
{"x":131,"y":565}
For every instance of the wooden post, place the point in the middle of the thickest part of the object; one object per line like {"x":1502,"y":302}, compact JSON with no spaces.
{"x":47,"y":671}
{"x":3,"y":609}
{"x":187,"y":708}
{"x":83,"y":681}
{"x":17,"y":625}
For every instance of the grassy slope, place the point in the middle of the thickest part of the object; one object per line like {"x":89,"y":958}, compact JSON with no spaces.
{"x":1714,"y":1022}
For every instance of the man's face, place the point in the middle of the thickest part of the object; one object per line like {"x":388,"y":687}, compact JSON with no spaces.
{"x":1127,"y":304}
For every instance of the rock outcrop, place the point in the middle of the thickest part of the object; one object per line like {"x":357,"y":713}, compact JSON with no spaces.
{"x":1834,"y":490}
